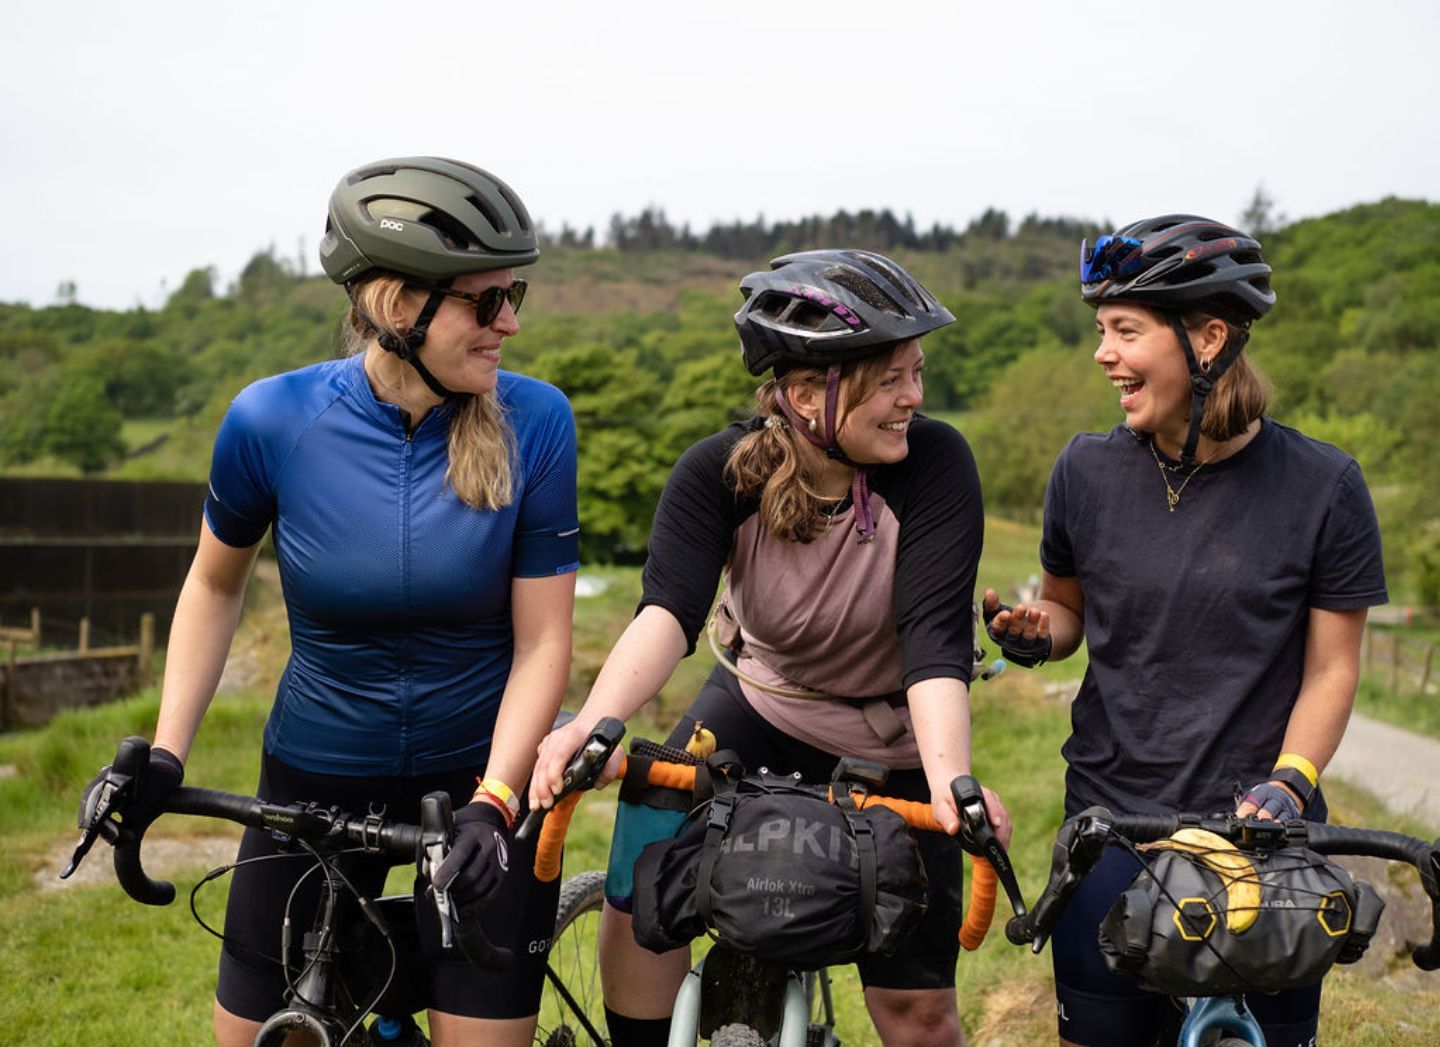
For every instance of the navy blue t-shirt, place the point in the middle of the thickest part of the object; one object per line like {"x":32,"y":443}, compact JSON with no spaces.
{"x":398,"y":593}
{"x":1195,"y":620}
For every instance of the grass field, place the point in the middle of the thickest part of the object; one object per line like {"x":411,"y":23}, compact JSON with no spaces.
{"x":84,"y":964}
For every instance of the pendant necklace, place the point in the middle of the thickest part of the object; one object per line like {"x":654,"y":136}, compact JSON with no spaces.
{"x":1172,"y":494}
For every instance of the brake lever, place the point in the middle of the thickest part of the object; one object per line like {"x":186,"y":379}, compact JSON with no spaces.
{"x":436,"y":820}
{"x":94,"y":818}
{"x":978,"y":838}
{"x":582,"y":770}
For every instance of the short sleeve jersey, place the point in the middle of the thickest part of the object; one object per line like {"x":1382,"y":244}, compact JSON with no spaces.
{"x":1195,"y":620}
{"x":845,"y":617}
{"x":398,"y":593}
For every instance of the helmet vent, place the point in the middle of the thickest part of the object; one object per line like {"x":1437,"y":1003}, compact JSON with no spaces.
{"x":454,"y":233}
{"x":868,"y":291}
{"x":798,"y":313}
{"x":516,"y":206}
{"x":491,"y":215}
{"x":895,"y":279}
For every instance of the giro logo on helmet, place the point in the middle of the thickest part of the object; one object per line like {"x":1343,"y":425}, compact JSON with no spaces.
{"x":392,"y":225}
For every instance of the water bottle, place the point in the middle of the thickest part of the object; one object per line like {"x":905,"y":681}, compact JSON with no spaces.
{"x":397,"y":1032}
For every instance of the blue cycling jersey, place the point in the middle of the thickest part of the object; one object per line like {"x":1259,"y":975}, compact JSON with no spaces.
{"x":398,"y":593}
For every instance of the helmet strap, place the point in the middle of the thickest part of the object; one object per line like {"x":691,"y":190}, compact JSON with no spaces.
{"x":859,"y":485}
{"x":1202,"y":382}
{"x":407,"y":347}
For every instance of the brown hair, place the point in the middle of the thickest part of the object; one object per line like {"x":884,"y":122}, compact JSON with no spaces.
{"x":482,"y":444}
{"x":779,"y":465}
{"x":1243,"y":392}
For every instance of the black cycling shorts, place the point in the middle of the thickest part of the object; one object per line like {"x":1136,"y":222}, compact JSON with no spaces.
{"x":926,"y":960}
{"x":1096,"y":1006}
{"x":521,"y":916}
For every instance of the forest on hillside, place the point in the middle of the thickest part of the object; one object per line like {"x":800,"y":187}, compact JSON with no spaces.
{"x":638,"y":334}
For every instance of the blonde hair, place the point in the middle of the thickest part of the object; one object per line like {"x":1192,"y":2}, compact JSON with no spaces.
{"x":482,"y":443}
{"x":771,"y":462}
{"x":1240,"y":396}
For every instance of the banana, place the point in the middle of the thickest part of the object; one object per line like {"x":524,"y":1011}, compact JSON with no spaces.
{"x":702,"y":742}
{"x":1242,"y":886}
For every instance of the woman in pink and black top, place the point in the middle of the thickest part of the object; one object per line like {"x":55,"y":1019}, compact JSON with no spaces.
{"x":847,"y":529}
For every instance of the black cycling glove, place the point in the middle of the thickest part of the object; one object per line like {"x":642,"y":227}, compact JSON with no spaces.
{"x":1022,"y":652}
{"x":1275,"y":798}
{"x":479,"y":855}
{"x":148,"y":795}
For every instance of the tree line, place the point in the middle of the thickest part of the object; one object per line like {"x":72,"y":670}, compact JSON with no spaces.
{"x":1353,"y":349}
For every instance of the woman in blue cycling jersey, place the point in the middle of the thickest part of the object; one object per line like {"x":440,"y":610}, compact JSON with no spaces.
{"x":847,"y":528}
{"x":423,"y":508}
{"x":1218,"y":567}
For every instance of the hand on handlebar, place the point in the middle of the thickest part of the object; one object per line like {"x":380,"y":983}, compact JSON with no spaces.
{"x":942,"y":804}
{"x":137,"y":803}
{"x":479,"y":855}
{"x":1267,"y":801}
{"x":557,"y":750}
{"x":1022,"y":631}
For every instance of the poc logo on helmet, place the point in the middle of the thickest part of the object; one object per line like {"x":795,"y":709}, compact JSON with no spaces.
{"x":392,"y":225}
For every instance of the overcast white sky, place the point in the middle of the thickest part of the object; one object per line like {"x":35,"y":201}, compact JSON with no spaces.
{"x":145,"y":139}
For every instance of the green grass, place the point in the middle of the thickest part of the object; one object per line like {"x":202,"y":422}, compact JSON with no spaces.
{"x":1414,"y":712}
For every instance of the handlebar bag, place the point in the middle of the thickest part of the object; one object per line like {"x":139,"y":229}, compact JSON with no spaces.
{"x":779,"y":871}
{"x":644,"y":814}
{"x":1172,"y":928}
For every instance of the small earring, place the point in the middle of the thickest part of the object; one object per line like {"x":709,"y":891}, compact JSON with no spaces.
{"x":1205,"y":365}
{"x":815,"y":425}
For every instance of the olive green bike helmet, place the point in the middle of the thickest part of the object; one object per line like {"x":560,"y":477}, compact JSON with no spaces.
{"x":426,"y":217}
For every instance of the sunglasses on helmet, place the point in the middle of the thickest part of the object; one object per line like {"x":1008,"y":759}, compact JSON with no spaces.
{"x":1111,"y":256}
{"x":488,"y":302}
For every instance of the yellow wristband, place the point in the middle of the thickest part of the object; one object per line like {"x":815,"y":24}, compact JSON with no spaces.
{"x":1300,"y":764}
{"x":502,"y":792}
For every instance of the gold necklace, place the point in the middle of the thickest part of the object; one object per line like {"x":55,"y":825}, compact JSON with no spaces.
{"x":1172,"y":494}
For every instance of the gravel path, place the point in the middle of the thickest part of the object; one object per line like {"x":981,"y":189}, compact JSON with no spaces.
{"x":1400,"y":767}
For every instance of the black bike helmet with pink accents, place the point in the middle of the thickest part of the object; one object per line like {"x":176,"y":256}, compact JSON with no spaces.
{"x":1178,"y":262}
{"x":817,"y":308}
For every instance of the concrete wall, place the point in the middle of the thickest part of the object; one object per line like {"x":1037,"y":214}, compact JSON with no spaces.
{"x":33,"y":690}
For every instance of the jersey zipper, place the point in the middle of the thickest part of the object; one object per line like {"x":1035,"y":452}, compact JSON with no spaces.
{"x":406,"y":680}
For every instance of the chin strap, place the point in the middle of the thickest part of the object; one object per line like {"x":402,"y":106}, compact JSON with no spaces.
{"x":859,"y":486}
{"x":407,"y":347}
{"x":1202,"y":381}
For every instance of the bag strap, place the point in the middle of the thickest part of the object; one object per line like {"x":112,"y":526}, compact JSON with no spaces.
{"x":718,"y":822}
{"x":864,"y":835}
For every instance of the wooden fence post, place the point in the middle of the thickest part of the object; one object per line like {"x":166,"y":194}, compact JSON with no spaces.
{"x":147,"y":646}
{"x":35,"y":629}
{"x":8,"y":692}
{"x":1425,"y":672}
{"x":85,"y":636}
{"x":1394,"y":663}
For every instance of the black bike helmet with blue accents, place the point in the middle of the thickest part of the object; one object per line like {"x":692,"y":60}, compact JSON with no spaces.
{"x":1179,"y":261}
{"x":1176,"y":263}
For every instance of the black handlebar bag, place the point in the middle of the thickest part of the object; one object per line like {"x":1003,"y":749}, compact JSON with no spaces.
{"x":780,"y":871}
{"x":1173,"y":928}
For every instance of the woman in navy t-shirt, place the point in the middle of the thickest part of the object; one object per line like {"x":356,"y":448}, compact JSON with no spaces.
{"x":1218,"y":567}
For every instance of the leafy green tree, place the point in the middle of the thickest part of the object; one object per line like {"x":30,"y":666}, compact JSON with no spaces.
{"x":81,"y":425}
{"x":1034,"y":407}
{"x":615,"y":403}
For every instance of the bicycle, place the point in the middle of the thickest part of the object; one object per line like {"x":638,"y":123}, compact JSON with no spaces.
{"x":740,"y":1000}
{"x":1221,"y":1020}
{"x":353,"y":937}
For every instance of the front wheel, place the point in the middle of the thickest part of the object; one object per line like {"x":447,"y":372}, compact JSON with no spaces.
{"x":736,"y":1035}
{"x":572,"y":1010}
